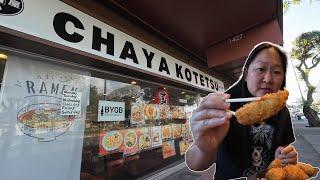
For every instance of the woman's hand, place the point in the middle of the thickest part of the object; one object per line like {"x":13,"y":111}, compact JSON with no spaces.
{"x":210,"y":122}
{"x":287,"y":155}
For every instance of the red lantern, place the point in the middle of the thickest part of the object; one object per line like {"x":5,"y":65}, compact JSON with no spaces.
{"x":162,"y":96}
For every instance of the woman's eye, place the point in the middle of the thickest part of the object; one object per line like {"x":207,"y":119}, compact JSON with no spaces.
{"x":260,"y":69}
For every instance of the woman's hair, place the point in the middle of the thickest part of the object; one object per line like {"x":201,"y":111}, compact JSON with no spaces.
{"x":241,"y":85}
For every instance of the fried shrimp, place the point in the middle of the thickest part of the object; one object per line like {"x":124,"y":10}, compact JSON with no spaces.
{"x":276,"y":163}
{"x":300,"y":171}
{"x":276,"y":174}
{"x":308,"y":169}
{"x":293,"y":172}
{"x":257,"y":111}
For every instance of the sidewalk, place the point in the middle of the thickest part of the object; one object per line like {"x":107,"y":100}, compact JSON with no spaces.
{"x":307,"y":144}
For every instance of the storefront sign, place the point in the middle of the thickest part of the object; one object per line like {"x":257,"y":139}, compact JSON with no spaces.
{"x":60,"y":23}
{"x":10,"y":7}
{"x":111,"y":111}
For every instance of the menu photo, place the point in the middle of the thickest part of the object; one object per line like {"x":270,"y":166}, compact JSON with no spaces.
{"x":130,"y":141}
{"x":178,"y":112}
{"x":176,"y":130}
{"x":164,"y":111}
{"x":151,"y":111}
{"x":144,"y":138}
{"x":184,"y":130}
{"x":156,"y":136}
{"x":167,"y":131}
{"x":110,"y":142}
{"x":183,"y":146}
{"x":168,"y":149}
{"x":137,"y":113}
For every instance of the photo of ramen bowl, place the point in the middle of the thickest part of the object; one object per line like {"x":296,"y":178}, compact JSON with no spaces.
{"x":43,"y":116}
{"x":112,"y":140}
{"x":130,"y":139}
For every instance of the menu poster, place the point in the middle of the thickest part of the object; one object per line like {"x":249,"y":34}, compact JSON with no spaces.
{"x":183,"y":146}
{"x":144,"y":138}
{"x":176,"y":129}
{"x":110,"y":142}
{"x":166,"y":132}
{"x":164,"y":112}
{"x":151,"y":111}
{"x":184,"y":131}
{"x":137,"y":113}
{"x":168,"y":149}
{"x":47,"y":143}
{"x":178,"y":112}
{"x":156,"y":137}
{"x":130,"y":141}
{"x":188,"y":132}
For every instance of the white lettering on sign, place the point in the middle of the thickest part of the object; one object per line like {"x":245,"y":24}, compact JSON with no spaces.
{"x":111,"y":111}
{"x":71,"y":103}
{"x":14,"y":4}
{"x":63,"y":24}
{"x":235,"y":38}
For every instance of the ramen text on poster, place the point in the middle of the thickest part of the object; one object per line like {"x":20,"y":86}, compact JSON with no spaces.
{"x":47,"y":88}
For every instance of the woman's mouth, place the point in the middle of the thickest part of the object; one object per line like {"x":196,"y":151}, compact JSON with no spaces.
{"x":266,"y":90}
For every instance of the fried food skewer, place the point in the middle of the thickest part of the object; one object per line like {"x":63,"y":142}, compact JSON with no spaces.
{"x":257,"y":111}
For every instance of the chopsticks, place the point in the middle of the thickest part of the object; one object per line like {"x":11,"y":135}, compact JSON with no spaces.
{"x":243,"y":99}
{"x":232,"y":112}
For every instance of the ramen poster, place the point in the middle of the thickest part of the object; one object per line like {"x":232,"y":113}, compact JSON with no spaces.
{"x":37,"y":138}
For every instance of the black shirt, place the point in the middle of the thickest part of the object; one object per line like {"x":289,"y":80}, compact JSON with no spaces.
{"x":247,"y":150}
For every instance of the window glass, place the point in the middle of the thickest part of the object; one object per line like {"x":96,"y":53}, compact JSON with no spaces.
{"x":74,"y":122}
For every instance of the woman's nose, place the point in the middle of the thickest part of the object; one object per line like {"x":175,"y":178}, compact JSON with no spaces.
{"x":268,"y":78}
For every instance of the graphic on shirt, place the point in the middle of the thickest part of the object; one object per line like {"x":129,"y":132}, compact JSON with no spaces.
{"x":261,"y":143}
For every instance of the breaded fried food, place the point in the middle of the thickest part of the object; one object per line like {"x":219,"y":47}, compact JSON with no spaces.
{"x":293,"y":172}
{"x":308,"y":169}
{"x":276,"y":163}
{"x":276,"y":174}
{"x":257,"y":111}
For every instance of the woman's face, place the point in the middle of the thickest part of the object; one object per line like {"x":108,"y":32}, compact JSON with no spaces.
{"x":265,"y":74}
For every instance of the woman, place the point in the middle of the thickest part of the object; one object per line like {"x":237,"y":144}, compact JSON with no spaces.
{"x":237,"y":150}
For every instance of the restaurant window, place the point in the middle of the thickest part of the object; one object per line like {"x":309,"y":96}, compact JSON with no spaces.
{"x":65,"y":121}
{"x":149,"y":131}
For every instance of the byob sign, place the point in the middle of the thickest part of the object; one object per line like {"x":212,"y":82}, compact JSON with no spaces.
{"x":111,"y":111}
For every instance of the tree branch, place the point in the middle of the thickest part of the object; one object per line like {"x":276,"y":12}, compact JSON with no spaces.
{"x":315,"y":61}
